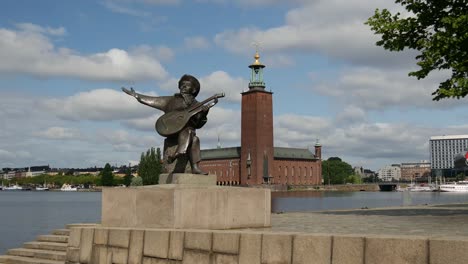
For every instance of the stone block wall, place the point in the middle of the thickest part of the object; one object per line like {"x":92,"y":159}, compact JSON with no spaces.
{"x":99,"y":245}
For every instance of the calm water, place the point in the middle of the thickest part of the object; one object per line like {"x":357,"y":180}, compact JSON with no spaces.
{"x":25,"y":215}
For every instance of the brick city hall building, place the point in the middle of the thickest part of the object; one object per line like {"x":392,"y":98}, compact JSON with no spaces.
{"x":257,"y":161}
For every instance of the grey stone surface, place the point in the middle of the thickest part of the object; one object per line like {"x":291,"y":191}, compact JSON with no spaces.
{"x":73,"y":254}
{"x":276,"y":248}
{"x":196,"y":257}
{"x":118,"y":255}
{"x":135,"y":252}
{"x":156,"y":243}
{"x":225,"y":259}
{"x":226,"y":242}
{"x":176,"y":245}
{"x":388,"y":250}
{"x":443,"y":251}
{"x":432,"y":221}
{"x":119,"y":237}
{"x":86,"y":245}
{"x":101,"y":236}
{"x":312,"y":247}
{"x":186,"y":206}
{"x":187,"y":178}
{"x":250,"y":248}
{"x":100,"y":254}
{"x":75,"y":237}
{"x":199,"y":240}
{"x":348,"y":249}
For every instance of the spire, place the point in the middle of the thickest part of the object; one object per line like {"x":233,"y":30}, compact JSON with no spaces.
{"x":256,"y":78}
{"x":317,"y":143}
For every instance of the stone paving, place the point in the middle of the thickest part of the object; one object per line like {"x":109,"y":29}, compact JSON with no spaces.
{"x":428,"y":221}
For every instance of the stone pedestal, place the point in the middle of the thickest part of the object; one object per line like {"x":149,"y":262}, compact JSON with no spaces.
{"x":186,"y":206}
{"x":187,"y":178}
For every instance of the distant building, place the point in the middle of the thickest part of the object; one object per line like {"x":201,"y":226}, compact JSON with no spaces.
{"x":390,"y":172}
{"x":415,"y":170}
{"x":257,"y":161}
{"x":443,"y":150}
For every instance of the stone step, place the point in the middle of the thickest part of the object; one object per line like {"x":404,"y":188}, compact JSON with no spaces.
{"x":46,"y":245}
{"x":61,"y":232}
{"x":25,"y":260}
{"x":37,"y":253}
{"x":81,"y":225}
{"x":53,"y":238}
{"x":3,"y":259}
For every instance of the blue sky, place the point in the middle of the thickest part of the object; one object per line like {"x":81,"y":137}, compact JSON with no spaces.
{"x":62,"y":64}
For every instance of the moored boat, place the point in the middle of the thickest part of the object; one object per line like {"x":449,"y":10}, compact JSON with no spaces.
{"x":13,"y":188}
{"x":68,"y":188}
{"x":460,"y":187}
{"x":421,"y":188}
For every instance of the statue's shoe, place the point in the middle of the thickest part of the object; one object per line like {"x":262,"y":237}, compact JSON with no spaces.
{"x":197,"y":170}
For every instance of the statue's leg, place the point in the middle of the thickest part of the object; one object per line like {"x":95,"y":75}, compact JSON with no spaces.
{"x":195,"y":156}
{"x":184,"y":139}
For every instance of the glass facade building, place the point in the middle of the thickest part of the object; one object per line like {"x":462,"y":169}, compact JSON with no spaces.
{"x":444,"y":148}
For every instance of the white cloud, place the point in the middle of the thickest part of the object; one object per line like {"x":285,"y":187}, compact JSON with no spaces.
{"x":197,"y":42}
{"x":292,"y":130}
{"x":373,"y":88}
{"x":216,"y":82}
{"x":220,"y":81}
{"x":161,"y":53}
{"x":30,"y":51}
{"x":100,"y":104}
{"x":29,"y":27}
{"x":351,"y":114}
{"x":59,"y":133}
{"x":331,"y":28}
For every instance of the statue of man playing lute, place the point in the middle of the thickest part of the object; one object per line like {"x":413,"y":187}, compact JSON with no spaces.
{"x":182,"y":116}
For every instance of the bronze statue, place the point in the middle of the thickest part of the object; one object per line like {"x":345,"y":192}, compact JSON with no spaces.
{"x":182,"y":116}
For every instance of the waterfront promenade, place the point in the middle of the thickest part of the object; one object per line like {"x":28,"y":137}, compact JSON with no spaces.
{"x":427,"y":234}
{"x":450,"y":220}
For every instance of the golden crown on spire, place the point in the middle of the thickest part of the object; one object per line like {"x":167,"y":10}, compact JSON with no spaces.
{"x":257,"y":57}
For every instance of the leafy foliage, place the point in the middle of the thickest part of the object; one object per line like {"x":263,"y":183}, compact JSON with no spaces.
{"x":438,"y":30}
{"x":150,"y":166}
{"x":127,"y":179}
{"x":56,"y":180}
{"x":336,"y":171}
{"x":137,"y":181}
{"x":107,"y":178}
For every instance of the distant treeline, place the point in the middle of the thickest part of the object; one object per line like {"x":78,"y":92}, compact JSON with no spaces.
{"x":59,"y":180}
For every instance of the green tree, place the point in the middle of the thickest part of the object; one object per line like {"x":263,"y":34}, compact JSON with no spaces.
{"x":107,"y":178}
{"x":150,"y":166}
{"x":438,"y":30}
{"x":128,"y":176}
{"x":137,"y":181}
{"x":354,"y":178}
{"x":335,"y":171}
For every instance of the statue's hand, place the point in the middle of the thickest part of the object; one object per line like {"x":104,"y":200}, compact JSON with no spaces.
{"x":130,"y":92}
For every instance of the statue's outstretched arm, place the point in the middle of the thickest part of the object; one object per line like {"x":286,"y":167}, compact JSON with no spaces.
{"x":153,"y":101}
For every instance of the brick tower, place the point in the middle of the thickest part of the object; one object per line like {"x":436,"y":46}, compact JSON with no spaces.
{"x":257,"y":129}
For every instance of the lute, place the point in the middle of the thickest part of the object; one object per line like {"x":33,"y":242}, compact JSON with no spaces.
{"x":173,"y":122}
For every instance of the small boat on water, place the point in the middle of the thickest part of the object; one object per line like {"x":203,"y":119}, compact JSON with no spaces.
{"x":421,"y":188}
{"x":13,"y":188}
{"x":68,"y":188}
{"x":43,"y":188}
{"x":459,"y":187}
